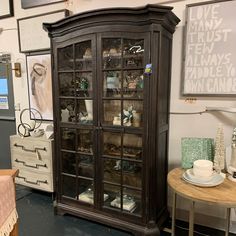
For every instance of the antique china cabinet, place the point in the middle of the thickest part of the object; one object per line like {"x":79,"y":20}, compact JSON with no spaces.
{"x":111,"y":87}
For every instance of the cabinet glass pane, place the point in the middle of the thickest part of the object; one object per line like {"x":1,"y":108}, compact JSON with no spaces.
{"x":112,"y":84}
{"x":86,"y":166}
{"x":132,"y":201}
{"x":65,"y":58}
{"x":66,"y":84}
{"x":68,"y":186}
{"x":131,"y":173}
{"x":68,"y":163}
{"x":85,"y":140}
{"x":83,"y":84}
{"x":132,"y":146}
{"x":112,"y":144}
{"x":110,"y":194}
{"x":112,"y":109}
{"x":67,"y":108}
{"x":68,"y":139}
{"x":86,"y":191}
{"x":133,"y":84}
{"x":111,"y":53}
{"x":112,"y":171}
{"x":133,"y":53}
{"x":132,"y":113}
{"x":128,"y":200}
{"x":83,"y":56}
{"x":84,"y":111}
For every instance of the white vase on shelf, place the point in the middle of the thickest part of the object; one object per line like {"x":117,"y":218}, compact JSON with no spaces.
{"x":89,"y":109}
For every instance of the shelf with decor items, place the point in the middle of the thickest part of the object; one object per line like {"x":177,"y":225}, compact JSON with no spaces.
{"x":33,"y":157}
{"x":111,"y":77}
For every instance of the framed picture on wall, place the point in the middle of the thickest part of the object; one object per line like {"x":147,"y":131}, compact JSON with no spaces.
{"x":36,"y":3}
{"x":31,"y":34}
{"x":40,"y":84}
{"x":209,"y":66}
{"x":6,"y":8}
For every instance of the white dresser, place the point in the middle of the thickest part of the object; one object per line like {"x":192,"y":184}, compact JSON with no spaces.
{"x":33,"y":157}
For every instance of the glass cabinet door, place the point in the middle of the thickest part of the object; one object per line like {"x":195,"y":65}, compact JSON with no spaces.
{"x":76,"y":101}
{"x":122,"y":172}
{"x":122,"y":67}
{"x":122,"y":122}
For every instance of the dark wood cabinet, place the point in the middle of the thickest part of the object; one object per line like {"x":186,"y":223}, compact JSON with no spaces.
{"x":111,"y":87}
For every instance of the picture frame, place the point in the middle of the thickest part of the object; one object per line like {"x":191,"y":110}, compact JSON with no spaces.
{"x":40,"y":84}
{"x":209,"y":56}
{"x":6,"y":9}
{"x":25,"y":4}
{"x":31,"y":35}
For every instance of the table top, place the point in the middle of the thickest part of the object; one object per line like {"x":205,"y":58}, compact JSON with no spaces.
{"x":11,"y":172}
{"x":223,"y":194}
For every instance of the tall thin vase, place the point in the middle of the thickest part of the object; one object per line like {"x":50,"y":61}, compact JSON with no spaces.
{"x":89,"y":108}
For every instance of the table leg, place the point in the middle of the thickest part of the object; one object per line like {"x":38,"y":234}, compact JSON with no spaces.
{"x":227,"y":221}
{"x":173,"y":215}
{"x":191,"y":219}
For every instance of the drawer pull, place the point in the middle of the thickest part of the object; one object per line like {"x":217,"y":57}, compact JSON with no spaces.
{"x":36,"y":150}
{"x":27,"y":165}
{"x":31,"y":182}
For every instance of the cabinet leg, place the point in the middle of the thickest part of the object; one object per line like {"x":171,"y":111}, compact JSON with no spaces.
{"x":191,"y":219}
{"x":173,"y":215}
{"x":227,"y":222}
{"x":58,"y":211}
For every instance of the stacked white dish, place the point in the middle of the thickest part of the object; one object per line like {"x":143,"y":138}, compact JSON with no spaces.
{"x":202,"y":174}
{"x":214,"y":180}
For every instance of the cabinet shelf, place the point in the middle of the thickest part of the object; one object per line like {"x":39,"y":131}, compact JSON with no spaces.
{"x":74,"y":70}
{"x":123,"y":69}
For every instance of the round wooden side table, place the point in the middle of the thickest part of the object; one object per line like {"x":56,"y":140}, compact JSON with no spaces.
{"x":221,"y":195}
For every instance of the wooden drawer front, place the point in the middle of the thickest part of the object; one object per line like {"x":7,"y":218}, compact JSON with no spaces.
{"x":31,"y":162}
{"x":34,"y":180}
{"x":37,"y":148}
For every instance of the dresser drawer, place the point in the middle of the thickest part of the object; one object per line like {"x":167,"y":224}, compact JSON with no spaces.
{"x":31,"y":146}
{"x":34,"y":180}
{"x":31,"y":162}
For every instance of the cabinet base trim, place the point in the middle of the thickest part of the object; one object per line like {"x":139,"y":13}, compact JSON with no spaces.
{"x":136,"y":229}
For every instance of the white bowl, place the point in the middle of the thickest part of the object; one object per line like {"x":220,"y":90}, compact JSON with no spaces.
{"x":203,"y":168}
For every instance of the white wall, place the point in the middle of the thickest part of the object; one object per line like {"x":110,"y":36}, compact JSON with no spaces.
{"x":204,"y":125}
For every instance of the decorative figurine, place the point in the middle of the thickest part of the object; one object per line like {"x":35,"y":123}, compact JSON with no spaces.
{"x":105,"y":53}
{"x":113,"y":51}
{"x":112,"y":81}
{"x":232,"y":166}
{"x":88,"y":53}
{"x":219,"y":158}
{"x":83,"y":83}
{"x":233,"y":149}
{"x":128,"y":117}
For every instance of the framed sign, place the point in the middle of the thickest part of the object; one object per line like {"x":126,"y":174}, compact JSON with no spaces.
{"x":209,"y":66}
{"x":36,"y":3}
{"x":40,"y":84}
{"x":31,"y":34}
{"x":6,"y":8}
